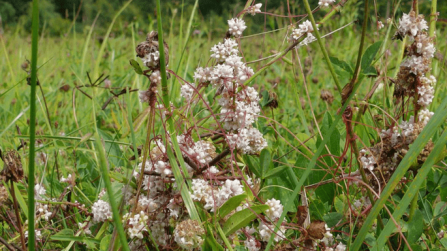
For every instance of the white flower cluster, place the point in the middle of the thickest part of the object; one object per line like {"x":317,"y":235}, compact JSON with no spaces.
{"x":188,"y":234}
{"x":417,"y":65}
{"x":252,"y":245}
{"x":242,"y":112}
{"x":240,"y":109}
{"x":68,"y":179}
{"x":418,"y":60}
{"x":426,"y":91}
{"x":223,"y":50}
{"x":266,"y":230}
{"x":137,"y":224}
{"x":248,"y":140}
{"x":304,"y":28}
{"x":200,"y":152}
{"x":38,"y":191}
{"x":155,"y":77}
{"x":411,"y":24}
{"x":325,"y":3}
{"x":187,"y":91}
{"x":328,"y":237}
{"x":202,"y":191}
{"x":339,"y":247}
{"x":101,"y":211}
{"x":254,"y":9}
{"x":151,"y":59}
{"x":236,"y":27}
{"x":367,"y":160}
{"x":275,"y":210}
{"x":42,"y":211}
{"x":37,"y":235}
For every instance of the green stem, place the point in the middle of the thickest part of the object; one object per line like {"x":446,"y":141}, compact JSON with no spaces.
{"x":362,"y":44}
{"x":432,"y":29}
{"x":180,"y":177}
{"x":108,"y":184}
{"x":320,"y":42}
{"x":32,"y":125}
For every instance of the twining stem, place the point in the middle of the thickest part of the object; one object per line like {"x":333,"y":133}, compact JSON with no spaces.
{"x":322,"y":47}
{"x":32,"y":126}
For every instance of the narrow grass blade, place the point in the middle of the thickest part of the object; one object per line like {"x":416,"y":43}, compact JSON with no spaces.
{"x":108,"y":184}
{"x":434,"y":157}
{"x":435,"y":122}
{"x":32,"y":125}
{"x":87,"y":42}
{"x":173,"y":136}
{"x":106,"y":38}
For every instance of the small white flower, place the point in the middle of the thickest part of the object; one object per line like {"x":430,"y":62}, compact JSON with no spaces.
{"x":101,"y":211}
{"x":325,"y":3}
{"x":236,"y":26}
{"x":275,"y":210}
{"x":380,"y":25}
{"x":155,"y":77}
{"x":254,"y":9}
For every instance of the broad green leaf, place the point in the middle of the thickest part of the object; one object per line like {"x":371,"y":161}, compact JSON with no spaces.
{"x":136,"y":66}
{"x":242,"y":218}
{"x":210,"y":242}
{"x":332,"y":219}
{"x":264,"y":160}
{"x":253,"y":165}
{"x":105,"y":243}
{"x":368,"y":56}
{"x":342,"y":64}
{"x":275,"y":172}
{"x":231,"y":204}
{"x":415,"y":227}
{"x":369,"y":71}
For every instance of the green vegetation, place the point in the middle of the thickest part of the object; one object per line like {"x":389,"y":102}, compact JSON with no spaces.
{"x":93,"y":132}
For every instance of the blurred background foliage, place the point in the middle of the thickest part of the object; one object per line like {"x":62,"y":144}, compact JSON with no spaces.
{"x":56,"y":16}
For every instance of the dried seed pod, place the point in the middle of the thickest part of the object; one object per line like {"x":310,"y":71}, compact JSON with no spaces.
{"x":327,"y":96}
{"x":148,"y":51}
{"x":12,"y":169}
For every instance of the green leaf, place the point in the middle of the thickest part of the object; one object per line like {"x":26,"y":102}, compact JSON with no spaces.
{"x":370,"y":71}
{"x":264,"y":160}
{"x":210,"y":243}
{"x":105,"y":243}
{"x":136,"y":66}
{"x":68,"y":235}
{"x":368,"y":56}
{"x":415,"y":227}
{"x":275,"y":172}
{"x":242,"y":218}
{"x":231,"y":204}
{"x":113,"y":151}
{"x":332,"y":219}
{"x":253,"y":165}
{"x":444,"y":242}
{"x":342,"y":64}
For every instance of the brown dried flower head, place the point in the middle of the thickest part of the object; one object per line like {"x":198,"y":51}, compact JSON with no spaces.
{"x":12,"y":169}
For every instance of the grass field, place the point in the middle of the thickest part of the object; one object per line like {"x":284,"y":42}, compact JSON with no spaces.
{"x":81,"y":98}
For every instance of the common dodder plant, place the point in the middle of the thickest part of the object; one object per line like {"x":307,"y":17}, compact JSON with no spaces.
{"x":216,"y":171}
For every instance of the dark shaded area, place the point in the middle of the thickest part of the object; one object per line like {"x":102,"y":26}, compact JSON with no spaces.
{"x":57,"y":15}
